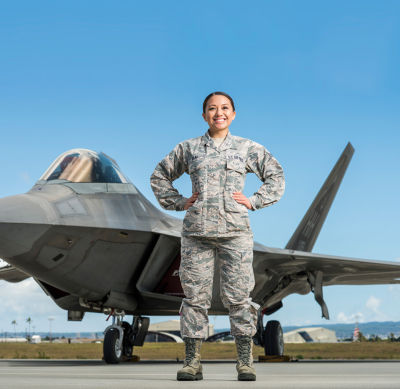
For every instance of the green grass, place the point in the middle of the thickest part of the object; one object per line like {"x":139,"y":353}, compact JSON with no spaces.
{"x":357,"y":350}
{"x":363,"y":350}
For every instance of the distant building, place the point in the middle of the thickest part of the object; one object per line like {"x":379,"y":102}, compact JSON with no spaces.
{"x":36,"y":339}
{"x":13,"y":340}
{"x":161,"y":337}
{"x":310,"y":335}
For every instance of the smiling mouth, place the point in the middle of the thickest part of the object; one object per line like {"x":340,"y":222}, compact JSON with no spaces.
{"x":219,"y":120}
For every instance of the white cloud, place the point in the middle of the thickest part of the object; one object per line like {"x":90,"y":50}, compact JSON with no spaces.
{"x":371,"y":311}
{"x":352,"y":318}
{"x":26,"y":299}
{"x":22,"y":300}
{"x":373,"y":304}
{"x":341,"y":317}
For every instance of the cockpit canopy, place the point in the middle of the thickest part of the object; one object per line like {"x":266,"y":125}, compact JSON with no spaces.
{"x":82,"y":165}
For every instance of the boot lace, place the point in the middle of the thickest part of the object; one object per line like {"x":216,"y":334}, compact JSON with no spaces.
{"x":192,"y":347}
{"x":244,"y":350}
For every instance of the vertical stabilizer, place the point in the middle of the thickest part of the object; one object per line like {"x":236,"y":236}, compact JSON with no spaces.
{"x":308,"y":230}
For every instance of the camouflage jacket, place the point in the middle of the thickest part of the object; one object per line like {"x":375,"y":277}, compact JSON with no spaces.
{"x":215,"y":174}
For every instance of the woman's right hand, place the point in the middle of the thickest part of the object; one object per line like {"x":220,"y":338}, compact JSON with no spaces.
{"x":190,"y":201}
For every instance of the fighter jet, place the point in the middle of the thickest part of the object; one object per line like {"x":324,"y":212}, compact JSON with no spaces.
{"x":94,"y":243}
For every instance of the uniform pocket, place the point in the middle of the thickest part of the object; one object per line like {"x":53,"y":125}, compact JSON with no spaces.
{"x":193,"y":220}
{"x":236,"y":165}
{"x":235,"y":174}
{"x":236,"y":215}
{"x":230,"y":205}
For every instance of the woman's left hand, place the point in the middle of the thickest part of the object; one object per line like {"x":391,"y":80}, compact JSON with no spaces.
{"x":240,"y":198}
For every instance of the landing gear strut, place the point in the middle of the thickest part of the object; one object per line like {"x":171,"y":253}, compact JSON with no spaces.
{"x":270,"y":337}
{"x":120,"y":337}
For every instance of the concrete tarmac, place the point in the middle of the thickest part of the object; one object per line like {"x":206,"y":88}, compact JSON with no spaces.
{"x":217,"y":374}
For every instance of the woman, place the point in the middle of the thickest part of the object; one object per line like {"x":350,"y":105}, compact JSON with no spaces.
{"x":217,"y":224}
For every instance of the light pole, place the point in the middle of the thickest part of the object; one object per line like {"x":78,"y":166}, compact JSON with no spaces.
{"x":50,"y":320}
{"x":29,"y":321}
{"x":14,"y":323}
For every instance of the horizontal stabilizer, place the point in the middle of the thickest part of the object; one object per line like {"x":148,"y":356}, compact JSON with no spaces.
{"x":308,"y":230}
{"x":11,"y":274}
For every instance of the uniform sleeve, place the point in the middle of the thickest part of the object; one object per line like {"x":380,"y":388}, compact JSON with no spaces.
{"x":270,"y":172}
{"x":167,"y":171}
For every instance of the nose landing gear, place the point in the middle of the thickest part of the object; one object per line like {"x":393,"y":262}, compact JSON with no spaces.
{"x":120,"y":337}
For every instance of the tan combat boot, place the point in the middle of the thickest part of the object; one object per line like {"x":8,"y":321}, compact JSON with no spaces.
{"x":192,"y":369}
{"x":244,"y":364}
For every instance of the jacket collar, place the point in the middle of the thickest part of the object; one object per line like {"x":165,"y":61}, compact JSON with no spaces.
{"x":228,"y":143}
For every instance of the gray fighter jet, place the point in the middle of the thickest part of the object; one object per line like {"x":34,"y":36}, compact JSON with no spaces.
{"x":94,"y":243}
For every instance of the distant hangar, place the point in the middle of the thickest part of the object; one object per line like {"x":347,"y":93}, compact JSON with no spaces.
{"x":310,"y":335}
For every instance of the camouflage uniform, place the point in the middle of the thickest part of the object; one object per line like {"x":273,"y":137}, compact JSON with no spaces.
{"x":217,"y":224}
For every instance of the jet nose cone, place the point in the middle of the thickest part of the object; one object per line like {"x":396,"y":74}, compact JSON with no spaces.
{"x":24,"y":208}
{"x":22,"y":221}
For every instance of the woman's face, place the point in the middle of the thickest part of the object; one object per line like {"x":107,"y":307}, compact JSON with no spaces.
{"x":219,"y":113}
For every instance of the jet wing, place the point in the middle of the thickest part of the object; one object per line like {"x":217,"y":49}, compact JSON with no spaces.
{"x":11,"y":274}
{"x":279,"y":273}
{"x":296,"y":269}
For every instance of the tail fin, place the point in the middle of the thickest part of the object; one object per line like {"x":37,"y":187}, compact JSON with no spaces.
{"x":308,"y":230}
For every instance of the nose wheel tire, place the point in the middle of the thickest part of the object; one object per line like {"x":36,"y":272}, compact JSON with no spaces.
{"x":273,"y":338}
{"x":117,"y":350}
{"x":112,"y":347}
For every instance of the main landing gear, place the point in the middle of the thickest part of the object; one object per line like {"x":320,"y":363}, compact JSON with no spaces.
{"x":270,"y":337}
{"x":120,"y":337}
{"x":273,"y":338}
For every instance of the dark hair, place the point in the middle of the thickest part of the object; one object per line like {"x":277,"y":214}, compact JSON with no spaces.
{"x":218,"y":94}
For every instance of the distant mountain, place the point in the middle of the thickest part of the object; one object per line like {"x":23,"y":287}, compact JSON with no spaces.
{"x":380,"y":328}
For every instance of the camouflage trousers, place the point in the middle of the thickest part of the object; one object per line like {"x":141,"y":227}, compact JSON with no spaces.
{"x":234,"y":255}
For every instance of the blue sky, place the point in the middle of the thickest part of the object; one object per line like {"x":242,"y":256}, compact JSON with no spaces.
{"x":128,"y":78}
